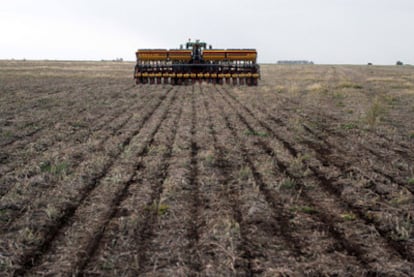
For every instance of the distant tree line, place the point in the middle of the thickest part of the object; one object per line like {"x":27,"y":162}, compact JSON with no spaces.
{"x":114,"y":60}
{"x":294,"y":62}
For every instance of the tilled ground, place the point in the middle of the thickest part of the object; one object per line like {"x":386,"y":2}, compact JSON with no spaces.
{"x":310,"y":173}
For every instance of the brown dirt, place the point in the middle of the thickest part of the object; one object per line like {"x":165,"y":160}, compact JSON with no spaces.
{"x":309,"y":174}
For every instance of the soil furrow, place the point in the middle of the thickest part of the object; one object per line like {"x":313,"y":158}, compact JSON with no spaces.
{"x":161,"y":245}
{"x":93,"y":244}
{"x":194,"y":224}
{"x":79,"y":153}
{"x":401,"y":247}
{"x":31,"y":257}
{"x":365,"y":151}
{"x":307,"y":174}
{"x":76,"y":149}
{"x":47,"y":119}
{"x":142,"y":241}
{"x":280,"y":223}
{"x":271,"y":198}
{"x":242,"y":261}
{"x":146,"y":233}
{"x":55,"y":139}
{"x":323,"y":148}
{"x":347,"y":164}
{"x":27,"y":136}
{"x":352,"y":248}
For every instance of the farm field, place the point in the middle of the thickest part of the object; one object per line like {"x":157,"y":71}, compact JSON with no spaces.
{"x":309,"y":174}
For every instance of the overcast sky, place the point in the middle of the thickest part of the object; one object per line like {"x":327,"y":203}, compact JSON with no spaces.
{"x":324,"y":31}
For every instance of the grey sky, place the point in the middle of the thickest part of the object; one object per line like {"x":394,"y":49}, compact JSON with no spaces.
{"x":325,"y":31}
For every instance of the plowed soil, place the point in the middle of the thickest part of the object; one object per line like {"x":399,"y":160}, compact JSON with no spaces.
{"x":309,"y":174}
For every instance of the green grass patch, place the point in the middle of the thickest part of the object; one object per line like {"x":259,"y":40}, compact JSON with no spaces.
{"x":56,"y":169}
{"x":31,"y":125}
{"x":392,"y":100}
{"x":46,"y":167}
{"x":349,"y":126}
{"x":402,"y":230}
{"x":305,"y":209}
{"x":400,"y":87}
{"x":339,"y":96}
{"x":7,"y":134}
{"x":159,"y":208}
{"x":79,"y":124}
{"x":375,"y":112}
{"x":411,"y":181}
{"x":4,"y":216}
{"x":162,"y":209}
{"x":309,"y":210}
{"x":340,"y":104}
{"x":350,"y":85}
{"x":288,"y":184}
{"x":210,"y":159}
{"x":255,"y":133}
{"x":43,"y":101}
{"x":244,"y":173}
{"x":107,"y":265}
{"x":348,"y":216}
{"x":5,"y":264}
